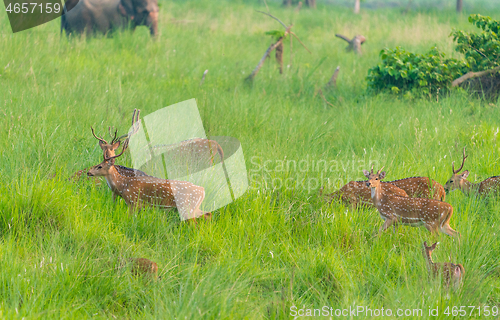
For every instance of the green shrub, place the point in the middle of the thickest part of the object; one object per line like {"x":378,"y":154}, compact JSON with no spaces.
{"x":482,"y":50}
{"x":401,"y":71}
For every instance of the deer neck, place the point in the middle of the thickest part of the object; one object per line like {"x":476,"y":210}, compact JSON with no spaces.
{"x":467,"y":187}
{"x":376,"y":194}
{"x":114,"y":180}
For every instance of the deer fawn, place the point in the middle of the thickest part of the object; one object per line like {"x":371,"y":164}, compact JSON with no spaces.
{"x":161,"y":193}
{"x":459,"y":181}
{"x":433,"y":214}
{"x":451,"y":273}
{"x":356,"y":192}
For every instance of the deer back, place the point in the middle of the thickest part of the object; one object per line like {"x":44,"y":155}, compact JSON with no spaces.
{"x":421,"y":187}
{"x":489,"y":186}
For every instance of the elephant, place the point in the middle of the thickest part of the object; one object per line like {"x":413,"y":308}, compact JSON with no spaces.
{"x":92,"y":16}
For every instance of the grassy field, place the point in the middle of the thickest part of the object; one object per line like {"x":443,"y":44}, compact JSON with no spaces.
{"x":62,"y":244}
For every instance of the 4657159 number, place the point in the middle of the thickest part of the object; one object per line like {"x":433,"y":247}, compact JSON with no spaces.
{"x":33,"y":7}
{"x":472,"y":311}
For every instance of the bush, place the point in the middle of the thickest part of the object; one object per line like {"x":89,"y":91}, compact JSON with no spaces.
{"x":401,"y":71}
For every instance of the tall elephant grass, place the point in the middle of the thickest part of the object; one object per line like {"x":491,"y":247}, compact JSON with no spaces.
{"x":63,"y":245}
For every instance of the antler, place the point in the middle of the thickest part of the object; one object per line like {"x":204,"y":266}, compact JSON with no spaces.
{"x":98,"y":138}
{"x":114,"y":138}
{"x":135,"y":124}
{"x":378,"y":172}
{"x":463,"y":161}
{"x":125,"y":146}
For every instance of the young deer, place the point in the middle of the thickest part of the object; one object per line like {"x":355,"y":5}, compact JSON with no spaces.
{"x":435,"y":215}
{"x":356,"y":192}
{"x":459,"y":181}
{"x":451,"y":273}
{"x":160,"y":193}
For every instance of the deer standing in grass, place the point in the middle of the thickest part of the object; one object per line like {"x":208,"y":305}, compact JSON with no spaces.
{"x":109,"y":150}
{"x":435,"y":215}
{"x":459,"y":181}
{"x":450,"y":272}
{"x":160,"y":193}
{"x":356,"y":192}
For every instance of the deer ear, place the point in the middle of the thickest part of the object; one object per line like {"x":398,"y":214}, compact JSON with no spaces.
{"x":366,"y":173}
{"x":464,"y":174}
{"x":457,"y":271}
{"x":382,"y":175}
{"x":433,"y":246}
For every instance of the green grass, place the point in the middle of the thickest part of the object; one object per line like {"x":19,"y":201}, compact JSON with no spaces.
{"x":62,"y":244}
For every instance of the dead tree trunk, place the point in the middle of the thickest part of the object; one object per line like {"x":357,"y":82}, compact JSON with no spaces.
{"x":311,"y":3}
{"x":459,"y":6}
{"x":279,"y":54}
{"x":354,"y":44}
{"x":470,"y":75}
{"x":356,"y":6}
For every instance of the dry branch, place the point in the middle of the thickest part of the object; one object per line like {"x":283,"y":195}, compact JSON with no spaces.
{"x":333,"y":79}
{"x":354,"y":43}
{"x":203,"y":77}
{"x":261,"y":62}
{"x":470,"y":75}
{"x":278,"y":45}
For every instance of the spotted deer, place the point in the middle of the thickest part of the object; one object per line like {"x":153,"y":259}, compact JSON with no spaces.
{"x":451,"y":273}
{"x":459,"y":181}
{"x":435,"y":215}
{"x":195,"y":149}
{"x":356,"y":192}
{"x":160,"y":193}
{"x":109,"y":150}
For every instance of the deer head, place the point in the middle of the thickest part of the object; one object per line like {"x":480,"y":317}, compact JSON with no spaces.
{"x":374,"y":178}
{"x":104,"y":167}
{"x":109,"y":148}
{"x":458,"y":180}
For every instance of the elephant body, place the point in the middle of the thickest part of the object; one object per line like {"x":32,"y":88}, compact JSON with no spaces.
{"x":92,"y":16}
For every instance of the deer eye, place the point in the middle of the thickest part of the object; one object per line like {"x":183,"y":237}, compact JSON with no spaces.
{"x":451,"y":181}
{"x":376,"y":178}
{"x":99,"y":167}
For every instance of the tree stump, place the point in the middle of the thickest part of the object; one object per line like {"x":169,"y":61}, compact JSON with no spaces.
{"x":354,"y":43}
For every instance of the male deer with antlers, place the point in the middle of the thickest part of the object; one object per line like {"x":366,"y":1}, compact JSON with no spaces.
{"x":459,"y":181}
{"x":356,"y":193}
{"x":450,"y":272}
{"x":435,"y":215}
{"x":109,"y":150}
{"x":161,"y":193}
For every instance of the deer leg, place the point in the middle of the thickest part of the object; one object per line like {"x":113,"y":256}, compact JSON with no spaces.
{"x":388,"y":222}
{"x":446,"y":229}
